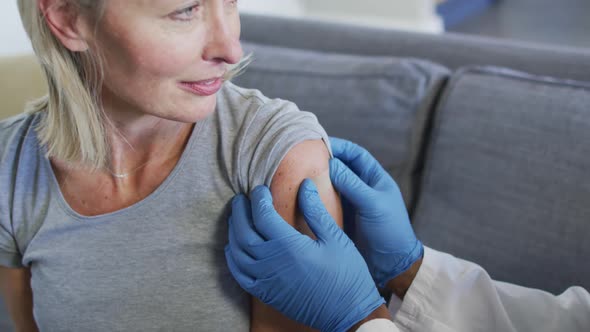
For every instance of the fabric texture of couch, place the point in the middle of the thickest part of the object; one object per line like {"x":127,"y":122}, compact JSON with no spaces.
{"x":488,"y":139}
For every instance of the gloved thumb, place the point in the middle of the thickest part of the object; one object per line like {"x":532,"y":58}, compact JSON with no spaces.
{"x":349,"y":184}
{"x":318,"y":218}
{"x":266,"y":219}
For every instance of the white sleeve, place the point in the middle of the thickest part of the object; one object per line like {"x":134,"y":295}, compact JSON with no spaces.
{"x":451,"y":294}
{"x":378,"y":325}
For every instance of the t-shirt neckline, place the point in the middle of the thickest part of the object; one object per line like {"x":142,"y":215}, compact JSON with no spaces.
{"x":65,"y":206}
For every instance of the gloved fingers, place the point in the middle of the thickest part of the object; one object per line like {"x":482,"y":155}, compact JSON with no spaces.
{"x":343,"y":149}
{"x":318,"y":218}
{"x":360,"y":161}
{"x":267,"y":220}
{"x":281,"y":249}
{"x":357,"y":158}
{"x":350,"y":153}
{"x":353,"y":188}
{"x":349,"y":218}
{"x":238,"y":246}
{"x":246,"y":261}
{"x":240,"y":207}
{"x":239,"y":243}
{"x":244,"y":280}
{"x":241,"y":223}
{"x":274,"y":257}
{"x":378,"y":179}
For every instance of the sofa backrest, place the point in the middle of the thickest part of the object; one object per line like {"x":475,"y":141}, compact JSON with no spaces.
{"x":505,"y":178}
{"x":450,"y":50}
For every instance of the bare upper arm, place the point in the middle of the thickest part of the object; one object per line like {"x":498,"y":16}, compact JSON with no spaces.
{"x":15,"y":289}
{"x":308,"y":159}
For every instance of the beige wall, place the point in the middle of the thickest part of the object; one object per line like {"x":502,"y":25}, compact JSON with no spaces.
{"x":20,"y":81}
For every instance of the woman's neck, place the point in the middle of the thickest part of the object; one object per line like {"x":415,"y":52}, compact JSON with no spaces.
{"x":143,"y":158}
{"x":144,"y":140}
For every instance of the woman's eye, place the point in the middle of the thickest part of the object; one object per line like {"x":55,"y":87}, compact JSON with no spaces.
{"x":186,"y":14}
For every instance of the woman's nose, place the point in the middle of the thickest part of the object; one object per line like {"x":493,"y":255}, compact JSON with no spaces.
{"x":223,"y":44}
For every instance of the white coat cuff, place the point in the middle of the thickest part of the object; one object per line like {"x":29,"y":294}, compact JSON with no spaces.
{"x":378,"y":325}
{"x":414,"y":308}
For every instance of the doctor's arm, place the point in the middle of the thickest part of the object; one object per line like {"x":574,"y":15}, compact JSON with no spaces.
{"x":451,"y":294}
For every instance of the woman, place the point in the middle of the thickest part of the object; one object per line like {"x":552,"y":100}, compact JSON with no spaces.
{"x":116,"y":186}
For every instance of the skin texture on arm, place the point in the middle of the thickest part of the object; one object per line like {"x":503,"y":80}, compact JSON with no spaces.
{"x":15,"y":289}
{"x":308,"y":159}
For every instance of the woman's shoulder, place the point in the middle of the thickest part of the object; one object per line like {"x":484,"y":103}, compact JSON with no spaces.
{"x":19,"y":177}
{"x":239,"y":101}
{"x":262,"y":131}
{"x":240,"y":94}
{"x":14,"y":132}
{"x":241,"y":107}
{"x":17,"y":123}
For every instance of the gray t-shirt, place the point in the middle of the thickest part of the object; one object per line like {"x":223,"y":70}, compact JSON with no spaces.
{"x":158,"y":265}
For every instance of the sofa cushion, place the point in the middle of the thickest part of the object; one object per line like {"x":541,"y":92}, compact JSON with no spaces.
{"x":378,"y":102}
{"x":505,"y":182}
{"x":21,"y":80}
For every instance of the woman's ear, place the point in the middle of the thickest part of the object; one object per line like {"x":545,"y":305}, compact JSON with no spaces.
{"x":65,"y":22}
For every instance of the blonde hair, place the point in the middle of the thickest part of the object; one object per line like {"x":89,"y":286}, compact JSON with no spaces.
{"x":73,"y":128}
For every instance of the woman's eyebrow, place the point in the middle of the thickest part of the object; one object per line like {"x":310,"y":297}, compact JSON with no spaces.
{"x":161,"y":4}
{"x":166,"y":4}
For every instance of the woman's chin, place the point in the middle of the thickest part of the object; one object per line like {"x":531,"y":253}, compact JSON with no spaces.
{"x":195,"y":112}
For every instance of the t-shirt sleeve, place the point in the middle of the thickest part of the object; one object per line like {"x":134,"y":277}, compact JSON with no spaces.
{"x":11,"y":130}
{"x":273,"y":130}
{"x":9,"y":253}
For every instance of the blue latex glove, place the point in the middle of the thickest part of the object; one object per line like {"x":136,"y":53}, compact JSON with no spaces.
{"x":323,"y":283}
{"x":382,"y":229}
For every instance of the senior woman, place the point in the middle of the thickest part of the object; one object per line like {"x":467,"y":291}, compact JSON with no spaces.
{"x":116,"y":186}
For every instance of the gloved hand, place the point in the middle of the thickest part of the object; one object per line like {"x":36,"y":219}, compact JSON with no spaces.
{"x":323,"y":283}
{"x":382,"y":229}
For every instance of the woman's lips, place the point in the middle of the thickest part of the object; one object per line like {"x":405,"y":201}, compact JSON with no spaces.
{"x":203,"y":88}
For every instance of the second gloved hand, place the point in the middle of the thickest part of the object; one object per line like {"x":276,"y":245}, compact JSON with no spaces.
{"x":382,"y":227}
{"x":323,"y":283}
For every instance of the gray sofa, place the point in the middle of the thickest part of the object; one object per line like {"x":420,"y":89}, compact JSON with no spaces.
{"x":488,"y":139}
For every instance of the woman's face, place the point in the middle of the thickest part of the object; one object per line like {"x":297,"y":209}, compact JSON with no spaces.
{"x":167,"y":57}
